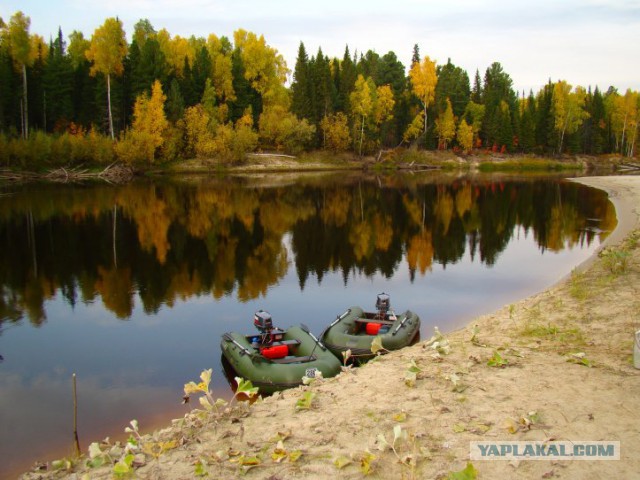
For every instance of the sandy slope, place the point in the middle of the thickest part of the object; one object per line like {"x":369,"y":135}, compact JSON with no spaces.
{"x":542,"y":393}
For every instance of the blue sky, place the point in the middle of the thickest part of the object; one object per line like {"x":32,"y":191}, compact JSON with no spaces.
{"x":586,"y":42}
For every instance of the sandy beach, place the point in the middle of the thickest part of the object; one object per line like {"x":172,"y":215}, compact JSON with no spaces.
{"x":557,"y":366}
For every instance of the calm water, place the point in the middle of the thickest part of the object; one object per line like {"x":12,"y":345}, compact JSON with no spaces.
{"x":131,"y":286}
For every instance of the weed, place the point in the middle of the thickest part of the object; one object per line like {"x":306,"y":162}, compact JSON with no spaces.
{"x":523,"y":424}
{"x":306,"y":401}
{"x":577,"y":286}
{"x":615,"y":260}
{"x":405,"y":447}
{"x":497,"y":361}
{"x":474,"y":338}
{"x":467,"y":473}
{"x":244,"y":387}
{"x":411,"y":375}
{"x":538,"y":330}
{"x":579,"y":358}
{"x":438,"y":342}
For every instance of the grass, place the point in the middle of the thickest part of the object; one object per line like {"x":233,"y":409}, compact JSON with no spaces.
{"x":578,"y":286}
{"x":528,"y":164}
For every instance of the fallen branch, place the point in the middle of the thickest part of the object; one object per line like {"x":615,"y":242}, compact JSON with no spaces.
{"x":271,"y":155}
{"x":114,"y":173}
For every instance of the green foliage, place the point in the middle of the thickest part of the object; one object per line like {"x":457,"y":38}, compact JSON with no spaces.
{"x":497,"y":361}
{"x":306,"y":401}
{"x":579,"y":358}
{"x":578,"y":287}
{"x":467,"y":473}
{"x":411,"y":374}
{"x":528,"y":165}
{"x":124,"y":466}
{"x":211,"y":405}
{"x":200,"y":469}
{"x":615,"y":260}
{"x":66,"y":149}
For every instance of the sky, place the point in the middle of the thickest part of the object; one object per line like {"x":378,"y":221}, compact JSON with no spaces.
{"x":585,"y":42}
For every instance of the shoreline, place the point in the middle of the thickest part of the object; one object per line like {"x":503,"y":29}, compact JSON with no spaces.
{"x":544,"y":390}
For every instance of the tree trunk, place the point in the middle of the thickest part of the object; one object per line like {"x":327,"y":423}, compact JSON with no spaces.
{"x":109,"y":106}
{"x":361,"y":135}
{"x":25,"y":134}
{"x":632,"y":146}
{"x":425,"y":123}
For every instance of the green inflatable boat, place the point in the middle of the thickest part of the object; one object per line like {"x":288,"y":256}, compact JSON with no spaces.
{"x":355,"y":330}
{"x":277,"y":359}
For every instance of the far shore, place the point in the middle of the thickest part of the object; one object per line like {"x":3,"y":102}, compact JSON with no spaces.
{"x":556,"y":366}
{"x":398,"y":159}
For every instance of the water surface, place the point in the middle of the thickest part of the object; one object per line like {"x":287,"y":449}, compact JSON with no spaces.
{"x":131,"y":287}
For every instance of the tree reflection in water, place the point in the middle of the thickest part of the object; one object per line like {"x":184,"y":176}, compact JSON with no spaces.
{"x":167,"y":240}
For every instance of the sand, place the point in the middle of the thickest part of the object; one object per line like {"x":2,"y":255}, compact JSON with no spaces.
{"x":556,"y":366}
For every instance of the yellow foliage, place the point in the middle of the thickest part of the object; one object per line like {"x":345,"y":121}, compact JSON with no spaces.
{"x":221,"y":70}
{"x":360,"y":98}
{"x":424,"y":80}
{"x":420,"y":252}
{"x":149,"y":127}
{"x":414,"y":208}
{"x":464,"y":199}
{"x":175,"y":50}
{"x":281,"y":129}
{"x":465,"y":136}
{"x":444,"y":210}
{"x":336,"y":132}
{"x":383,"y":228}
{"x":446,"y":125}
{"x":116,"y":289}
{"x":360,"y":237}
{"x":199,"y":136}
{"x":384,"y":104}
{"x":39,"y":49}
{"x":108,"y":48}
{"x":415,"y":128}
{"x":335,"y":209}
{"x":265,"y":69}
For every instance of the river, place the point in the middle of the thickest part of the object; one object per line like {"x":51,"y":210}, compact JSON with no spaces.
{"x":130,"y":287}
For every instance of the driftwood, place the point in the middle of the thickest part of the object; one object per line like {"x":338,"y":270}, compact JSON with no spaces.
{"x":629,"y":166}
{"x":114,"y":173}
{"x":270,"y":155}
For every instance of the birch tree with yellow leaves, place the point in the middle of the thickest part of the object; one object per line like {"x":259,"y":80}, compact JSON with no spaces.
{"x":107,"y":51}
{"x":17,"y":34}
{"x":423,"y":83}
{"x":568,"y":109}
{"x":625,"y":116}
{"x":361,"y":104}
{"x":446,"y":126}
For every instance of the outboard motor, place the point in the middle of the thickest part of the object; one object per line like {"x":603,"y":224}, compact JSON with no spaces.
{"x":268,"y":341}
{"x":263,"y":322}
{"x":383,"y":304}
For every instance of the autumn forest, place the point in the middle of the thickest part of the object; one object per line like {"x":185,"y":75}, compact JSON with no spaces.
{"x":163,"y":98}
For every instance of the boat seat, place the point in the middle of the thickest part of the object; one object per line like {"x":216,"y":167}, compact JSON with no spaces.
{"x":286,"y":342}
{"x":371,"y":320}
{"x":294,"y":359}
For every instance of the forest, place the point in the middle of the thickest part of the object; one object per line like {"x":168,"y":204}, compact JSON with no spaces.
{"x":163,"y":98}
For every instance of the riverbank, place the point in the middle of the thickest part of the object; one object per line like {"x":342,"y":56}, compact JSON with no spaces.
{"x":556,"y":365}
{"x":399,"y":159}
